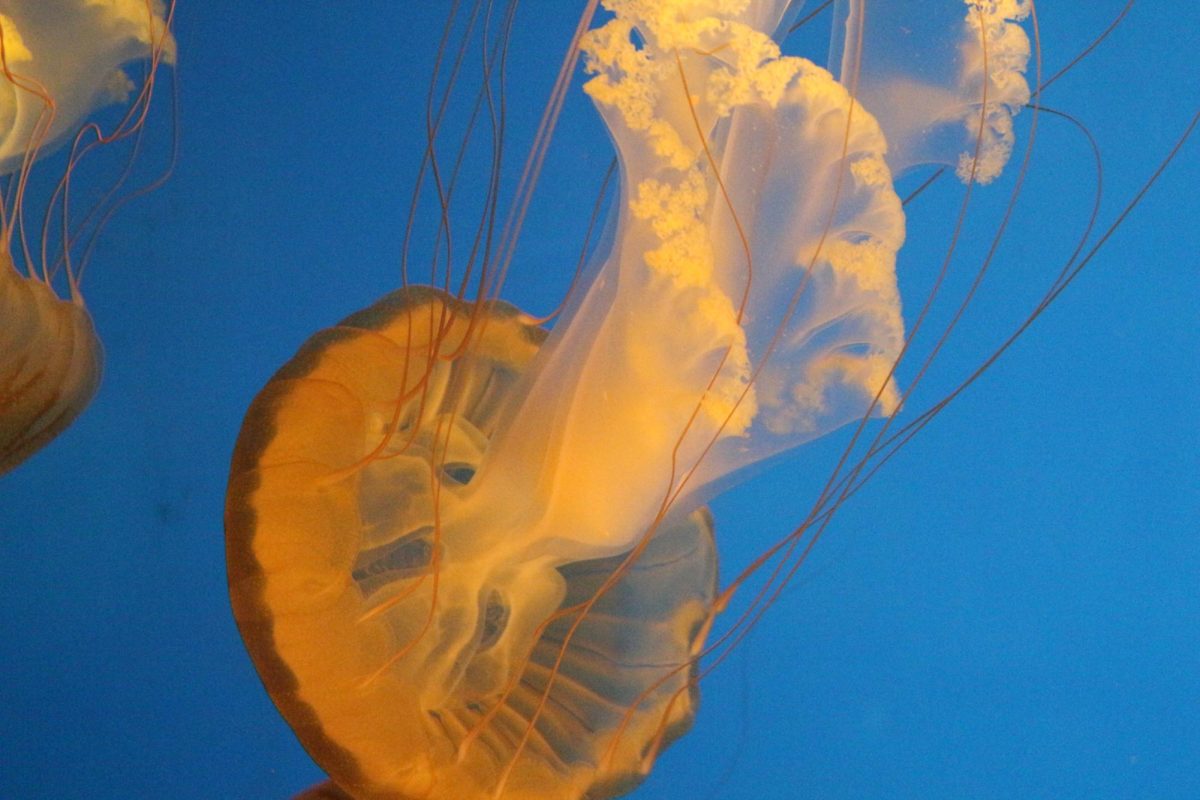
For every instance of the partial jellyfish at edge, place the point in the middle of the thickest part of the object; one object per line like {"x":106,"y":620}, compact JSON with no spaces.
{"x":62,"y":60}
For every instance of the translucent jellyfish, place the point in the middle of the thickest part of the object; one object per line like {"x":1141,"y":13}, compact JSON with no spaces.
{"x":470,"y":559}
{"x":62,"y":59}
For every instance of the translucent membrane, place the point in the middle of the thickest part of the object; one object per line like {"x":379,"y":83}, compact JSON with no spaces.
{"x":72,"y":52}
{"x":943,"y":79}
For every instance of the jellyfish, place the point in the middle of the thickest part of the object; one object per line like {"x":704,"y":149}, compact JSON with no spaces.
{"x":62,"y":59}
{"x":471,"y":558}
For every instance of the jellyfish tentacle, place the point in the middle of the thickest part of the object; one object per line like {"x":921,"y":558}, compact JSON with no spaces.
{"x":788,"y":554}
{"x":842,"y":484}
{"x":979,"y":162}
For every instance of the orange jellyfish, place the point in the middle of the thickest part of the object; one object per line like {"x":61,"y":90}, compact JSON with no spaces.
{"x":62,"y":59}
{"x":470,"y":558}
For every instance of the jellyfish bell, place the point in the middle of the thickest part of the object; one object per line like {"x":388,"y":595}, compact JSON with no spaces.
{"x":471,"y":560}
{"x":50,"y":364}
{"x":411,"y":652}
{"x":62,"y":60}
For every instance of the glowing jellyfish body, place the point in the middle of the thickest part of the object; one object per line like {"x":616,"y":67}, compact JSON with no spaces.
{"x":324,"y":615}
{"x":62,"y":59}
{"x":470,"y":564}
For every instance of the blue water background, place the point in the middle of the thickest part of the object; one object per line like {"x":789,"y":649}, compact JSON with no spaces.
{"x":1010,"y":609}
